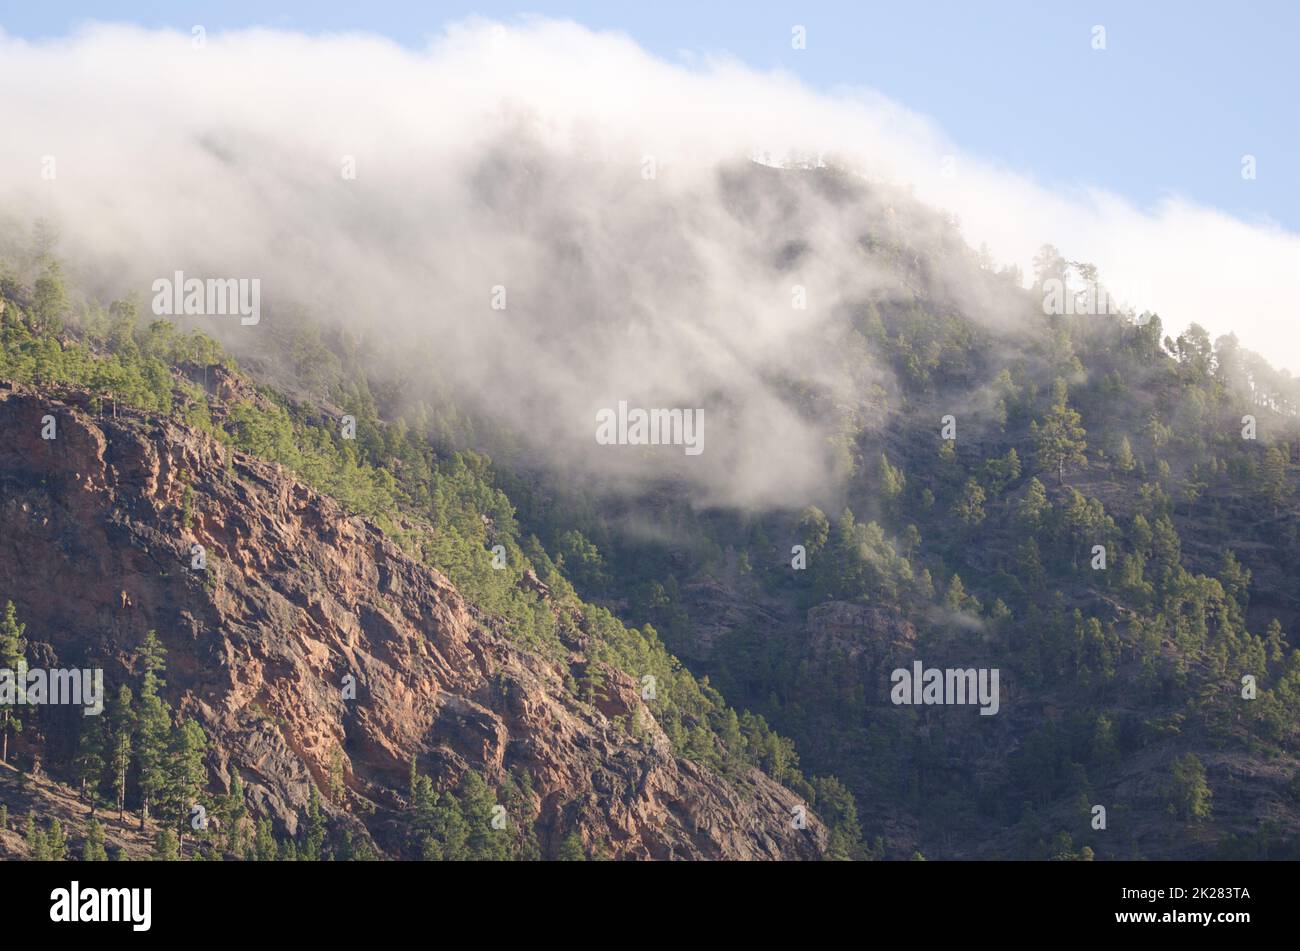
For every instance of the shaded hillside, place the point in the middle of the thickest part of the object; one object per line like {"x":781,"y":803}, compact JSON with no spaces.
{"x":989,"y":448}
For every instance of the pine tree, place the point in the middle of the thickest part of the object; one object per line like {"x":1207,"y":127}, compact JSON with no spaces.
{"x":1011,"y":465}
{"x":13,"y":649}
{"x":911,"y":539}
{"x":36,"y":846}
{"x":353,"y":848}
{"x":955,"y":597}
{"x":1105,"y":747}
{"x":1059,"y":441}
{"x":571,"y":849}
{"x":338,"y":786}
{"x":1276,"y":641}
{"x":92,"y":759}
{"x":478,"y":805}
{"x":1189,"y":794}
{"x":969,"y":507}
{"x":153,"y":727}
{"x":92,"y":850}
{"x":314,"y":839}
{"x":450,"y":840}
{"x":1124,"y":461}
{"x":892,"y":481}
{"x":121,"y":720}
{"x":165,"y":848}
{"x":837,"y":809}
{"x":1035,"y":504}
{"x":233,"y":812}
{"x":186,"y":774}
{"x":517,"y":790}
{"x":1140,"y":534}
{"x":593,"y":682}
{"x":56,"y":842}
{"x":813,"y":529}
{"x":1166,"y":549}
{"x":436,"y":828}
{"x":265,"y":848}
{"x":1030,"y":563}
{"x":49,"y":299}
{"x":1235,"y":578}
{"x":1273,"y":478}
{"x":999,"y":473}
{"x":413,"y":783}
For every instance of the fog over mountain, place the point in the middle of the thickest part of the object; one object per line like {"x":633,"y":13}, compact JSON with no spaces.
{"x":603,"y":195}
{"x":525,"y":447}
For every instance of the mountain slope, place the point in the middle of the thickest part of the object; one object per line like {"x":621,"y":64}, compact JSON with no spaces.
{"x":989,"y":446}
{"x":97,"y":527}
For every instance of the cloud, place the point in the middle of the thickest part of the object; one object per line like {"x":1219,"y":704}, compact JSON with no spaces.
{"x":517,"y":156}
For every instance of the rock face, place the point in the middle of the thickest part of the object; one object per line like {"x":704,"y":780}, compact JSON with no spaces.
{"x":98,"y":529}
{"x":862,"y":636}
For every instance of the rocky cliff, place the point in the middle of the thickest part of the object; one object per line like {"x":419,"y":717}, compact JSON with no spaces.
{"x":296,"y":602}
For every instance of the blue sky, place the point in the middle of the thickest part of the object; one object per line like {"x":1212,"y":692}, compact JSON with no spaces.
{"x":1182,"y":91}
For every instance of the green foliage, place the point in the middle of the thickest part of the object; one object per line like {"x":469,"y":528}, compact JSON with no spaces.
{"x":969,"y":508}
{"x":469,"y":823}
{"x":121,"y":719}
{"x":571,"y":849}
{"x":452,"y":509}
{"x":233,"y":814}
{"x":834,"y":804}
{"x":314,"y":832}
{"x":264,"y":847}
{"x":165,"y":846}
{"x":153,"y":726}
{"x":92,"y":760}
{"x":49,"y":300}
{"x":1137,"y":655}
{"x":138,"y":740}
{"x":56,"y":843}
{"x":892,"y":481}
{"x":92,"y":849}
{"x":1059,"y":442}
{"x":38,"y":849}
{"x":1124,"y":460}
{"x":186,"y":774}
{"x":13,"y":649}
{"x":814,"y":528}
{"x":1189,"y":794}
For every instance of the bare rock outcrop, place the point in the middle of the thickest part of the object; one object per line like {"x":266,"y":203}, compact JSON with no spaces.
{"x":301,"y":605}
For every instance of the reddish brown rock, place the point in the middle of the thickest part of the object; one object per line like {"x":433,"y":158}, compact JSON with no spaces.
{"x":298,"y":595}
